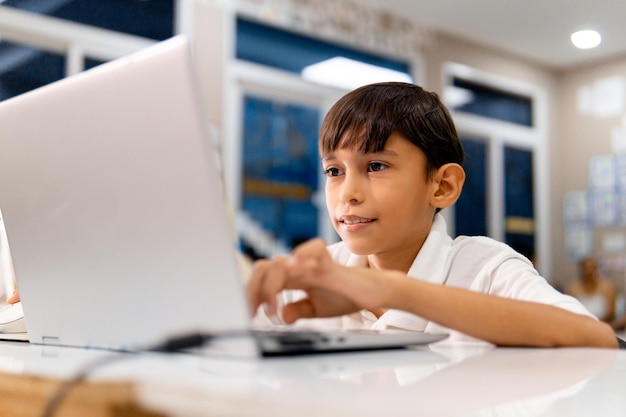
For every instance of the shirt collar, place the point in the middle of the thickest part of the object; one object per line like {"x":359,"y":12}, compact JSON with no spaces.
{"x":429,"y":264}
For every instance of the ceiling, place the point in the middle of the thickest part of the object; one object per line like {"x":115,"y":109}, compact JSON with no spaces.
{"x":537,"y":30}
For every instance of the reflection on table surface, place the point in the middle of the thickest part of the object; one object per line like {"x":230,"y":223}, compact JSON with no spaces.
{"x":469,"y":380}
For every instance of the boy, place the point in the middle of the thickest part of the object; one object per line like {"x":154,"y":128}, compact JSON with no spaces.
{"x":393,"y":158}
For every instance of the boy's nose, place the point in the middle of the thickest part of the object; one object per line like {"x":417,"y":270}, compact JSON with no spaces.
{"x":352,"y":190}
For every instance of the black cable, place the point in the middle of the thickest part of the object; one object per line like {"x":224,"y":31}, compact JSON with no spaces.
{"x":171,"y":345}
{"x":59,"y":395}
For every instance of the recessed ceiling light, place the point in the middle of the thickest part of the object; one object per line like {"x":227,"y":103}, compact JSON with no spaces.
{"x":586,"y":39}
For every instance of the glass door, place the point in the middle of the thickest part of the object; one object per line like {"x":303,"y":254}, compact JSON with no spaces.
{"x":519,"y":208}
{"x":472,"y":206}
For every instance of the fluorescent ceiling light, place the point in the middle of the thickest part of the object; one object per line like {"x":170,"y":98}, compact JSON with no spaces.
{"x":586,"y":39}
{"x":348,"y":74}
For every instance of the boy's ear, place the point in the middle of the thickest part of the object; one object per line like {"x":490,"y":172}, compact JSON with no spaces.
{"x":449,"y":179}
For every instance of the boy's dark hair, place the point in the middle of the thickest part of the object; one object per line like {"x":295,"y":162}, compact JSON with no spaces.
{"x":366,"y":117}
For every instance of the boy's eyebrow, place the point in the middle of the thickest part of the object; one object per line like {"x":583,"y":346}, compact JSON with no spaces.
{"x":386,"y":151}
{"x":389,"y":152}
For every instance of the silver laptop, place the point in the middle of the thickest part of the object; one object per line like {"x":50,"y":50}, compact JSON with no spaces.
{"x":115,"y":215}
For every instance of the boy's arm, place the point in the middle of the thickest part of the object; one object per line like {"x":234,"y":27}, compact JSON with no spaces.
{"x":501,"y":321}
{"x":333,"y":290}
{"x":498,"y":320}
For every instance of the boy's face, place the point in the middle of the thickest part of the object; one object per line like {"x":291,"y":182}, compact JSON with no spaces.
{"x":380,"y":203}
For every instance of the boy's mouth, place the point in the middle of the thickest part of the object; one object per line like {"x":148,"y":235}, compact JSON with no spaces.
{"x":351,"y":220}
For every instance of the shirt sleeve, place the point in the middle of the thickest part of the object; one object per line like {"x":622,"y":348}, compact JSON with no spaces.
{"x":516,"y":278}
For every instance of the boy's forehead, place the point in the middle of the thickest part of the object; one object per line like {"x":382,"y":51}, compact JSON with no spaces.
{"x":361,"y":140}
{"x":351,"y":138}
{"x":352,"y":144}
{"x":366,"y":140}
{"x":356,"y":145}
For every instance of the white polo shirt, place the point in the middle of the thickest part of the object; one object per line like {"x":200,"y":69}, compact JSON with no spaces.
{"x":477,"y":263}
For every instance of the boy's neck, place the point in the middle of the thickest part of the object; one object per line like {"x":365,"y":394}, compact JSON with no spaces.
{"x":397,"y":261}
{"x":398,"y":258}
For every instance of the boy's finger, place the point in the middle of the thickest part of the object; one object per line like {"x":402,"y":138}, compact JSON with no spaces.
{"x":302,"y":309}
{"x":273,"y":281}
{"x":253,"y":285}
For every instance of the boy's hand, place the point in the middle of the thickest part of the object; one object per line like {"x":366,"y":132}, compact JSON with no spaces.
{"x":331,"y":289}
{"x":309,"y":268}
{"x":14,"y":298}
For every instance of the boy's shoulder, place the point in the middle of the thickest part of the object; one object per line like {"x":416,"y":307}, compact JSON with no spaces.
{"x":473,"y":256}
{"x":478,"y":241}
{"x":483,"y":247}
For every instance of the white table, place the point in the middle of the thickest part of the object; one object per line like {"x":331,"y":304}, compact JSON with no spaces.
{"x":427,"y":381}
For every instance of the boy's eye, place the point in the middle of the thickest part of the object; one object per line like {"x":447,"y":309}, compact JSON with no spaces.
{"x":333,"y":172}
{"x":377,"y":166}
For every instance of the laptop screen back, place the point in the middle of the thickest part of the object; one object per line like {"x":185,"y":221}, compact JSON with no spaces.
{"x":113,"y":206}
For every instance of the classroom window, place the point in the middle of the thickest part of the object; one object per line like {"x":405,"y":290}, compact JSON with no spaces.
{"x":24,"y":68}
{"x":153,"y":19}
{"x":30,"y":64}
{"x":280,"y":171}
{"x":487,"y":101}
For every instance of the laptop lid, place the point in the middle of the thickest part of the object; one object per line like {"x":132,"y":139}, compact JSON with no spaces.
{"x":115,"y":215}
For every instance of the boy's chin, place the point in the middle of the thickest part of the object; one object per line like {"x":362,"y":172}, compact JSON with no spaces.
{"x":358,"y":245}
{"x":359,"y":248}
